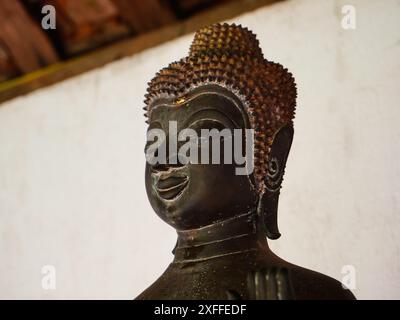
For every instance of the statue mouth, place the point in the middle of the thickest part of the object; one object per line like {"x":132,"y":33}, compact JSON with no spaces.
{"x":169,"y":186}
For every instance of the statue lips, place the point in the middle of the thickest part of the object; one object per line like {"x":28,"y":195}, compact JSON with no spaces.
{"x":169,"y":185}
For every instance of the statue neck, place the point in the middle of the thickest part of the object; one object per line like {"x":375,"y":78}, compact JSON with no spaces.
{"x":232,"y":236}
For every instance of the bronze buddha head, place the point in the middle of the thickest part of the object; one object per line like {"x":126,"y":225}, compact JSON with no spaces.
{"x":224,"y":84}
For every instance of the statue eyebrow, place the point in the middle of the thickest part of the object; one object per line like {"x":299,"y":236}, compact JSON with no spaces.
{"x":154,"y":125}
{"x":196,"y":116}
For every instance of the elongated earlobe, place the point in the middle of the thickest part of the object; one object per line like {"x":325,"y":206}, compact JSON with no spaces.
{"x":268,"y":213}
{"x":268,"y":201}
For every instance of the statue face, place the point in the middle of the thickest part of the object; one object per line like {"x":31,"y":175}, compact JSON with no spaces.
{"x":191,"y":195}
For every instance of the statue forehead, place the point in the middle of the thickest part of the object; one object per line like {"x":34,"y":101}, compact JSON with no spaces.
{"x":207,"y":102}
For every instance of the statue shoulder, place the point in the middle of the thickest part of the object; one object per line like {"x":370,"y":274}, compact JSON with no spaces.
{"x":290,"y":282}
{"x":308,"y":284}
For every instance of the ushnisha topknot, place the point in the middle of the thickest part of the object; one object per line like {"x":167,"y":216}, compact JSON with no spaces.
{"x":230,"y":56}
{"x":227,"y":39}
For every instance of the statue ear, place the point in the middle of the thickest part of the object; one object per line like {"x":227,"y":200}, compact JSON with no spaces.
{"x":268,"y":202}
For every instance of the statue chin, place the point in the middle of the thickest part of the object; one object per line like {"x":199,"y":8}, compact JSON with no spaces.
{"x":195,"y":195}
{"x":223,"y":218}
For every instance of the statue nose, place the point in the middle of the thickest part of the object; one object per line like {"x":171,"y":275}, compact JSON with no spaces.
{"x":170,"y":164}
{"x":160,"y":167}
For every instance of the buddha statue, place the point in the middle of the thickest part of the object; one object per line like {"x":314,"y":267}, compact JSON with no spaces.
{"x":223,"y":218}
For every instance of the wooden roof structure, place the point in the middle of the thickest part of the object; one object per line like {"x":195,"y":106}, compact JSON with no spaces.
{"x":91,"y":33}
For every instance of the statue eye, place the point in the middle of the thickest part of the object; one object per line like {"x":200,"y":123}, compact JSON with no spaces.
{"x":206,"y":124}
{"x":203,"y":128}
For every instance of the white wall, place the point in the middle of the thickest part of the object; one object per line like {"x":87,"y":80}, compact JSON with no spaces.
{"x":71,"y":162}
